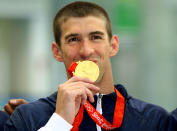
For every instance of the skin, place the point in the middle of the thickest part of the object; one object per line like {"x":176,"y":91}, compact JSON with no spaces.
{"x":12,"y":104}
{"x":84,"y":39}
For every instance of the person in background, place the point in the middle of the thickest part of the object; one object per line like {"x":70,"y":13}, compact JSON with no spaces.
{"x":82,"y":31}
{"x":12,"y":104}
{"x":8,"y":110}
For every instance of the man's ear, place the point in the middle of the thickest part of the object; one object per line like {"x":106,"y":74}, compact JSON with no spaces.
{"x":57,"y":54}
{"x":114,"y":45}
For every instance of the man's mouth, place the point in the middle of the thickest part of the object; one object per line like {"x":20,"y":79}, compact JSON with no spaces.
{"x":93,"y":60}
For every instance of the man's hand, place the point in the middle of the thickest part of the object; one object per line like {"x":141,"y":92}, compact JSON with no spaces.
{"x":72,"y":94}
{"x":12,"y":104}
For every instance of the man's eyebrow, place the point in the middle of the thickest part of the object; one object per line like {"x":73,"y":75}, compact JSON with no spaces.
{"x":71,"y":35}
{"x":96,"y":32}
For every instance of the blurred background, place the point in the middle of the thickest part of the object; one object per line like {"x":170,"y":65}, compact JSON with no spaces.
{"x":146,"y":63}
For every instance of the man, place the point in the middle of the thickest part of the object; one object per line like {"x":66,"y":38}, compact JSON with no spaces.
{"x":82,"y":31}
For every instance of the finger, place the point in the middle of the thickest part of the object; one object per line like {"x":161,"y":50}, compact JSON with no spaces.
{"x":90,"y":95}
{"x":19,"y":101}
{"x":84,"y":93}
{"x":8,"y":109}
{"x":76,"y":78}
{"x":16,"y":102}
{"x":90,"y":86}
{"x":83,"y":88}
{"x":82,"y":84}
{"x":84,"y":98}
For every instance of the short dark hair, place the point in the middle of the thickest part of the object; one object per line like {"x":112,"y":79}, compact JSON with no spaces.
{"x":79,"y":9}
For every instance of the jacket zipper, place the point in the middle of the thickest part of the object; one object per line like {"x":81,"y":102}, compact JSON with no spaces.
{"x":99,"y":108}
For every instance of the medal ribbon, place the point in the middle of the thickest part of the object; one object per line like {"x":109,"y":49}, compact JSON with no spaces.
{"x":98,"y":118}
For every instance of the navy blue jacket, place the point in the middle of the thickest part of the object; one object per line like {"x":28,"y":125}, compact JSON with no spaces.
{"x":3,"y":118}
{"x":138,"y":115}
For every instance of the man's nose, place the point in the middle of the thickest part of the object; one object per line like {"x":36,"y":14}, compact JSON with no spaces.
{"x":86,"y":49}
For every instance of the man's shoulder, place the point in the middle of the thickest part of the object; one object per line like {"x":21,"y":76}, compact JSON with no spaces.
{"x":141,"y":115}
{"x":33,"y":115}
{"x":146,"y":114}
{"x":144,"y":108}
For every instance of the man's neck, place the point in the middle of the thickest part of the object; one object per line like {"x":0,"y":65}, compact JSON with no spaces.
{"x":106,"y":84}
{"x":106,"y":89}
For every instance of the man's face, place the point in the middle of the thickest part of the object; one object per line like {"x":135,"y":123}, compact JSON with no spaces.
{"x":85,"y":38}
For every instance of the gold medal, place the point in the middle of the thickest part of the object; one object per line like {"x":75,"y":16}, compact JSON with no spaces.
{"x":85,"y":69}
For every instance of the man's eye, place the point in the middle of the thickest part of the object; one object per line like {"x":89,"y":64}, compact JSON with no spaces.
{"x":73,"y":39}
{"x":96,"y":37}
